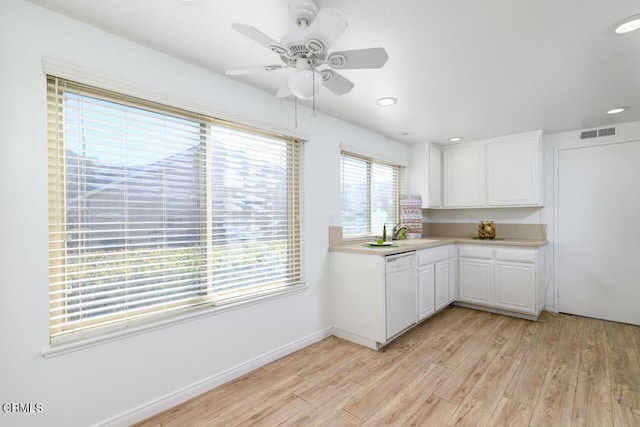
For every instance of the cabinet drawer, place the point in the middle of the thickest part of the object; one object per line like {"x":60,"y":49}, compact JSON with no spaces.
{"x":475,"y":252}
{"x":429,"y":256}
{"x":517,"y":255}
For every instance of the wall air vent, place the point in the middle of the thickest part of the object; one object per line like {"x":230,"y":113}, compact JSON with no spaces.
{"x":606,"y":132}
{"x":587,"y":134}
{"x":598,"y":133}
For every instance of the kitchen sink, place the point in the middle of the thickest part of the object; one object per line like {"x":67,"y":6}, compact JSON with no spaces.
{"x":412,"y":242}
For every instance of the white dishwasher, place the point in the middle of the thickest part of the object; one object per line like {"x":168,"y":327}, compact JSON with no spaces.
{"x":401,"y":292}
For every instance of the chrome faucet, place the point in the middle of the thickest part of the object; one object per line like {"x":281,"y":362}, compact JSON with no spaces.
{"x":396,"y":230}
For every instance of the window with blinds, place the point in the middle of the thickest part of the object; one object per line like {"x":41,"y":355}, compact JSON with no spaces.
{"x":370,"y":193}
{"x":156,"y":210}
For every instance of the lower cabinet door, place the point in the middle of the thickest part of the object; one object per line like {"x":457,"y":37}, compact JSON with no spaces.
{"x":515,"y":287}
{"x":475,"y":279}
{"x":442,"y":284}
{"x":426,"y":291}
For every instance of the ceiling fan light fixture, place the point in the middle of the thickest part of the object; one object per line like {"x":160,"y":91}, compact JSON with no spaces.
{"x":627,"y":25}
{"x":386,"y":101}
{"x":304,"y":84}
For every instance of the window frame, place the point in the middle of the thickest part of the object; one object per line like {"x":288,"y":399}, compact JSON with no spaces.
{"x":160,"y":314}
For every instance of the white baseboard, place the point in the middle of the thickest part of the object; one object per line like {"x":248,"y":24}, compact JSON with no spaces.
{"x":182,"y":395}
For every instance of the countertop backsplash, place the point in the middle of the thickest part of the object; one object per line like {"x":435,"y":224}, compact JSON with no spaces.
{"x":505,"y":231}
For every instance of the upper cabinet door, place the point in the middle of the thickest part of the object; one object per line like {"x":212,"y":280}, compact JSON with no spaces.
{"x":513,"y":171}
{"x":464,"y":176}
{"x":425,"y":174}
{"x":435,"y":177}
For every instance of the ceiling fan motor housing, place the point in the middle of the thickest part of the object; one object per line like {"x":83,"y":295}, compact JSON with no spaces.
{"x":303,"y":12}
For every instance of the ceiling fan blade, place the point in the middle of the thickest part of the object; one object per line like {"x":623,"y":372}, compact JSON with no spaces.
{"x":336,"y":83}
{"x":374,"y":57}
{"x":284,"y":90}
{"x":258,"y":37}
{"x":327,"y":27}
{"x":242,"y":71}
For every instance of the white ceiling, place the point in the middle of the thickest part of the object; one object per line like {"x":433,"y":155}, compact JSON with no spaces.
{"x":470,"y":68}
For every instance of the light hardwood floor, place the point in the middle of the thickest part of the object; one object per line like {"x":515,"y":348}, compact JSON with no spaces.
{"x":460,"y":368}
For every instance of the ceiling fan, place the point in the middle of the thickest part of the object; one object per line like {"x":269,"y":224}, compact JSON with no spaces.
{"x":306,"y":49}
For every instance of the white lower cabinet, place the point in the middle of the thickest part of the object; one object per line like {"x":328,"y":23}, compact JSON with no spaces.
{"x":426,"y":291}
{"x":514,"y":286}
{"x":501,"y":278}
{"x":475,"y":280}
{"x":441,"y":274}
{"x":434,"y":280}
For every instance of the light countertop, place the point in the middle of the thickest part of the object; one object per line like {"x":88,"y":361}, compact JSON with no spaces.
{"x":399,"y":246}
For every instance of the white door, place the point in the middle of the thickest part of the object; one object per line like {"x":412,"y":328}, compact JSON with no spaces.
{"x":599,"y":232}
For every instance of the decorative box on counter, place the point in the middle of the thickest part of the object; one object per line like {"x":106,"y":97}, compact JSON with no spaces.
{"x":411,"y":215}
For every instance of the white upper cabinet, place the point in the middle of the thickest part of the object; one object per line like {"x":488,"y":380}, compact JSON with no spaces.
{"x":513,"y":171}
{"x":464,"y":176}
{"x":435,"y":176}
{"x":425,"y":174}
{"x":493,"y":173}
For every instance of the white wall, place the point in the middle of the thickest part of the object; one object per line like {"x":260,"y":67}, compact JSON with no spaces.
{"x":121,"y":380}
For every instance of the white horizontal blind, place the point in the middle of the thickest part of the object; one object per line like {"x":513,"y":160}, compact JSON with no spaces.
{"x":256,"y":223}
{"x":153,"y":209}
{"x":370,"y":193}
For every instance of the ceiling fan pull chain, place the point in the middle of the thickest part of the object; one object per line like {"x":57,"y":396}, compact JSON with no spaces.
{"x":313,"y":98}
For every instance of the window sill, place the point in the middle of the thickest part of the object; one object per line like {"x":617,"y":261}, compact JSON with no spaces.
{"x":91,"y":340}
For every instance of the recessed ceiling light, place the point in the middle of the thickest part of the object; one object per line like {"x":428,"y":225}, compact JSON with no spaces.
{"x":455,"y":139}
{"x":617,"y":110}
{"x":386,"y":101}
{"x":629,"y":24}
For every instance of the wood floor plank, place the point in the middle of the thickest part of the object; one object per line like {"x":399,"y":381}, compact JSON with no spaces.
{"x":625,"y":376}
{"x":594,"y":357}
{"x":592,"y":405}
{"x":620,"y":334}
{"x":521,"y":338}
{"x":478,"y":406}
{"x":458,"y":385}
{"x":341,"y":364}
{"x":365,"y":404}
{"x":271,"y":415}
{"x":558,"y":392}
{"x":344,"y":419}
{"x":433,"y":412}
{"x":445,"y":327}
{"x":411,"y":399}
{"x":257,"y":405}
{"x":324,"y":406}
{"x":507,"y":372}
{"x":623,"y":416}
{"x":510,"y":413}
{"x":527,"y":382}
{"x":218,"y":398}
